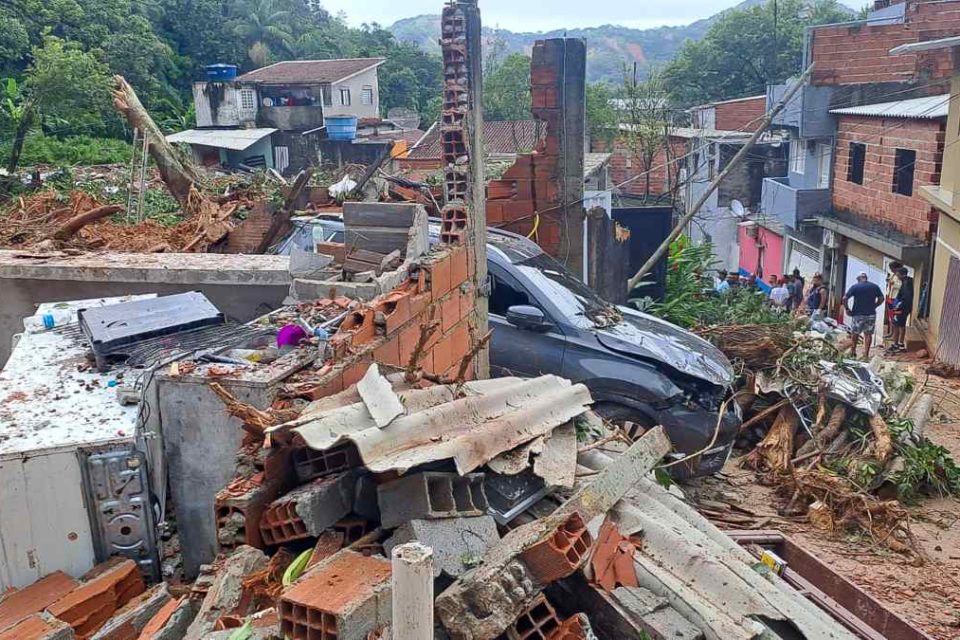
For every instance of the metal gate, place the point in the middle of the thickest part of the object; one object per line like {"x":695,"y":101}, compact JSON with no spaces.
{"x":949,"y":348}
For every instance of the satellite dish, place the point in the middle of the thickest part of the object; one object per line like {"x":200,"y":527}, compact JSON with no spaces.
{"x":737,"y":207}
{"x":404,"y":118}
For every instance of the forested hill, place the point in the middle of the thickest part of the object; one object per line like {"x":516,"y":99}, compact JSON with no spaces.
{"x":608,"y":46}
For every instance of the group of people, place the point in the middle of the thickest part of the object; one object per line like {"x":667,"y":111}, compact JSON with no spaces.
{"x":790,"y":294}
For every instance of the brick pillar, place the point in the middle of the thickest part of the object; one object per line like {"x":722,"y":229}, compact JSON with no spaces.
{"x":558,"y":92}
{"x":461,"y":133}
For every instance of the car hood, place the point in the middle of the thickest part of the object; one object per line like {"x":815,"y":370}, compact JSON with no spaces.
{"x":650,"y":338}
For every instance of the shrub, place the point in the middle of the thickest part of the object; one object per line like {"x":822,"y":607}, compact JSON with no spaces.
{"x":70,"y":151}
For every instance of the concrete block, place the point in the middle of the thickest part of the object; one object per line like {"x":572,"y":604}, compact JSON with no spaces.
{"x":306,"y":511}
{"x":365,"y":502}
{"x":304,"y":290}
{"x":131,"y":619}
{"x":108,"y":587}
{"x":226,"y":591}
{"x":310,"y":265}
{"x":352,"y":529}
{"x":345,"y":597}
{"x":35,"y":598}
{"x":539,"y":621}
{"x":560,"y":554}
{"x":431,"y":495}
{"x":38,"y":626}
{"x":458,"y":543}
{"x":311,"y":464}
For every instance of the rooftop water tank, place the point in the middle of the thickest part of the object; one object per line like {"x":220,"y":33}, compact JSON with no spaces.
{"x":220,"y":71}
{"x":341,"y":127}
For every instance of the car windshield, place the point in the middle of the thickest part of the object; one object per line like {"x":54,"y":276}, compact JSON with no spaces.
{"x":578,"y":302}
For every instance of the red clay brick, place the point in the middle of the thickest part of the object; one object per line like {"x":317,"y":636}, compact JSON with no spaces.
{"x":562,"y":553}
{"x":612,"y":559}
{"x":35,"y":598}
{"x":108,"y":587}
{"x":576,"y":627}
{"x":354,"y":373}
{"x":459,"y":267}
{"x":396,"y":307}
{"x":239,"y":507}
{"x":160,"y":620}
{"x":34,"y":627}
{"x":321,"y":603}
{"x":389,"y":352}
{"x":439,"y":277}
{"x":500,"y":189}
{"x":450,"y":310}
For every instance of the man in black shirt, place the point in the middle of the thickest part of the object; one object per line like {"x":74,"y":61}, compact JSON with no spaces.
{"x":902,"y":308}
{"x":866,"y":298}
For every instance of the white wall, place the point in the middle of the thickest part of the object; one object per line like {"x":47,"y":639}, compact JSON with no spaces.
{"x":356,"y":107}
{"x":225,"y":109}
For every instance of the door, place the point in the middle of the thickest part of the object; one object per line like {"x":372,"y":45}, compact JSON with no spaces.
{"x":824,"y":156}
{"x":876,"y":276}
{"x":803,"y":257}
{"x":515,"y":351}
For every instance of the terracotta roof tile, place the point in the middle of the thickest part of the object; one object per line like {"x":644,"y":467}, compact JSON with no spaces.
{"x":310,"y":71}
{"x":499,"y":137}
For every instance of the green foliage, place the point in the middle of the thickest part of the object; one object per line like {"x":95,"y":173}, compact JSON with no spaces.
{"x":926,"y":468}
{"x":691,"y":301}
{"x":64,"y":81}
{"x":506,"y":89}
{"x":745,"y":50}
{"x":70,"y":151}
{"x":602,"y":118}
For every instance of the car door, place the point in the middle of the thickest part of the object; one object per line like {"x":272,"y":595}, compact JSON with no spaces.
{"x":515,"y":351}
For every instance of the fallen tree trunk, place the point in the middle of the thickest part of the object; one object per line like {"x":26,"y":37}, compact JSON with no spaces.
{"x":883,"y":447}
{"x":282,"y":217}
{"x":823,"y":439}
{"x":76,"y":223}
{"x":213,"y":220}
{"x":179,"y":175}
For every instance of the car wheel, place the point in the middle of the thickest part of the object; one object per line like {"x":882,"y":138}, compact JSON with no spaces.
{"x":630,"y":421}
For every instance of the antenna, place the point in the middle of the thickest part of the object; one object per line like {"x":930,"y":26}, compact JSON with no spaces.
{"x":738,"y":209}
{"x":404,"y":118}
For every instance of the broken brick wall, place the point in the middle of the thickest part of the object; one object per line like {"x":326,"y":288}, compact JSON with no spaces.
{"x":744,"y":114}
{"x":549,"y":181}
{"x":855,"y":53}
{"x":625,"y":166}
{"x":875,"y":198}
{"x":387,"y":330}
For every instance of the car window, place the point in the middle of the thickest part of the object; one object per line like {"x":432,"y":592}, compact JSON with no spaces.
{"x":504,"y":294}
{"x":578,"y":303}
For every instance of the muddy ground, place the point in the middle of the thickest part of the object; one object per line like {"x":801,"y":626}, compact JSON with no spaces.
{"x":923,"y":588}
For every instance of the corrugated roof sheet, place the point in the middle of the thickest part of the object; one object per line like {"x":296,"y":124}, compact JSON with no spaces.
{"x":927,"y":108}
{"x":593,"y":161}
{"x":235,"y":139}
{"x":494,"y":416}
{"x":499,"y":137}
{"x":310,"y":71}
{"x":926,"y":45}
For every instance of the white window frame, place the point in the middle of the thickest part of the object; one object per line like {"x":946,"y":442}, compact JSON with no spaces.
{"x":366,"y":95}
{"x":824,"y":159}
{"x":345,"y":96}
{"x":798,"y":156}
{"x":248,"y":100}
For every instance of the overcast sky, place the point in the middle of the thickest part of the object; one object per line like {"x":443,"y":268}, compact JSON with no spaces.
{"x":540,"y":15}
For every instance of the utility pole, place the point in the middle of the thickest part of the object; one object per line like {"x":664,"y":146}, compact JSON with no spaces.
{"x":741,"y":154}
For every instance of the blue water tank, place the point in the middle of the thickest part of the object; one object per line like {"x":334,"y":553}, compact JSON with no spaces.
{"x":341,"y":127}
{"x":221,"y":71}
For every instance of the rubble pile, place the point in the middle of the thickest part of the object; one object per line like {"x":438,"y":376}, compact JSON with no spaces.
{"x":843,"y":439}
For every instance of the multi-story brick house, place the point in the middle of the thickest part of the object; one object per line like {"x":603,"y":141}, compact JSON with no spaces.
{"x":865,"y":133}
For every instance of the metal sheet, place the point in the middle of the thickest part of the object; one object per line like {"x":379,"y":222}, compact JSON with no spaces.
{"x":121,"y":512}
{"x":43,"y":520}
{"x":494,"y":416}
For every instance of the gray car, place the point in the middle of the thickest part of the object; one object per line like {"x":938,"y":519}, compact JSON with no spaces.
{"x":639,"y":369}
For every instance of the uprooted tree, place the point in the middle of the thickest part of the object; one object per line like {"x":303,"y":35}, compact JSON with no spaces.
{"x":212,"y":218}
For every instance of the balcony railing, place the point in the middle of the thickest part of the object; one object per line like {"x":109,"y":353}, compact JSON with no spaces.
{"x":790,"y":205}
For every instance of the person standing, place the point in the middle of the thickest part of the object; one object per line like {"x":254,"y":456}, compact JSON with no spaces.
{"x":795,"y":286}
{"x":866,"y":297}
{"x":779,"y":294}
{"x":817,"y":298}
{"x":902,"y":307}
{"x":893,"y":287}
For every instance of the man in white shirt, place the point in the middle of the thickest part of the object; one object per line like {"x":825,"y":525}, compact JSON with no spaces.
{"x":779,"y":294}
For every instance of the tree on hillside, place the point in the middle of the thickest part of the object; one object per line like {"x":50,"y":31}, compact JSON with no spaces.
{"x":264,"y":26}
{"x":61,"y":82}
{"x":506,"y":89}
{"x":645,"y":119}
{"x":745,"y":50}
{"x":601,"y":116}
